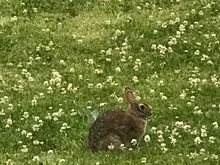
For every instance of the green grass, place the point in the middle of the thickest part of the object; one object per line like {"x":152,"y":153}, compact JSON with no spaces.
{"x":47,"y":46}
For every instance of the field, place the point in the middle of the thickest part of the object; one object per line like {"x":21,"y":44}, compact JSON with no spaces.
{"x":64,"y":62}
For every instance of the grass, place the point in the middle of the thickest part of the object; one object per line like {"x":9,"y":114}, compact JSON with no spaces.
{"x":64,"y":62}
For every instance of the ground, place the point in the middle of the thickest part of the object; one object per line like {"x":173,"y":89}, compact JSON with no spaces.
{"x":64,"y":62}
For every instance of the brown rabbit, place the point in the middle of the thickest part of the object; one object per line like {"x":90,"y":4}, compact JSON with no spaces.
{"x":116,"y":127}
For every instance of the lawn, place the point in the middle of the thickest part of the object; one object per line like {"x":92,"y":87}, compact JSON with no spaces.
{"x":64,"y":62}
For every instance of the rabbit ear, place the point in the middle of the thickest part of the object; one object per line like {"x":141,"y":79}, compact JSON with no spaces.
{"x":129,"y":96}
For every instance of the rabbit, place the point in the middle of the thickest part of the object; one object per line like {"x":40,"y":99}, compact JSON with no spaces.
{"x":117,"y":127}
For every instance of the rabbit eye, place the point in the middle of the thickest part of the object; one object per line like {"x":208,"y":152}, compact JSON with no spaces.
{"x":142,"y":106}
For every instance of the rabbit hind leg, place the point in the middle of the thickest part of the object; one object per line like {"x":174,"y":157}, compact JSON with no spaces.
{"x":111,"y":141}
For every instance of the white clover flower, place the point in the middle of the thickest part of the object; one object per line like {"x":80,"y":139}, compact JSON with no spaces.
{"x":159,"y":132}
{"x":197,"y":52}
{"x":215,"y":125}
{"x":169,"y":50}
{"x":80,"y":41}
{"x":198,"y":112}
{"x":34,"y":102}
{"x":98,"y":71}
{"x":91,"y":61}
{"x":177,"y":19}
{"x":193,"y":155}
{"x":108,"y":59}
{"x":23,"y":132}
{"x":153,"y":130}
{"x":182,"y":28}
{"x":61,"y":161}
{"x":141,"y":49}
{"x":160,"y":138}
{"x":47,"y":48}
{"x":197,"y":140}
{"x":212,"y":139}
{"x":172,"y":140}
{"x":24,"y":149}
{"x":194,"y":132}
{"x":210,"y":62}
{"x":171,"y":22}
{"x":109,"y":52}
{"x":155,"y":31}
{"x":135,"y":79}
{"x":90,"y":85}
{"x":147,"y":138}
{"x":9,"y":162}
{"x":179,"y":124}
{"x":36,"y":118}
{"x":189,"y":103}
{"x":163,"y":147}
{"x":178,"y":34}
{"x":108,"y":22}
{"x":109,"y":78}
{"x":10,"y":107}
{"x":183,"y":95}
{"x":36,"y":142}
{"x":214,"y":156}
{"x":152,"y":91}
{"x":9,"y":122}
{"x":102,"y":104}
{"x":143,"y":160}
{"x":72,"y":70}
{"x":118,"y":69}
{"x":193,"y":11}
{"x":73,"y":112}
{"x":35,"y":127}
{"x":130,"y":149}
{"x":51,"y":43}
{"x":46,"y":83}
{"x":202,"y":151}
{"x":133,"y":142}
{"x":150,"y":17}
{"x":69,"y":87}
{"x":99,"y":86}
{"x":14,"y":19}
{"x":161,"y":83}
{"x":65,"y":126}
{"x":204,"y":131}
{"x":62,"y":62}
{"x":25,"y":11}
{"x":187,"y":128}
{"x":138,"y":7}
{"x":120,"y":99}
{"x":173,"y":41}
{"x":29,"y":135}
{"x":36,"y":158}
{"x":167,"y":130}
{"x":164,"y":97}
{"x":138,"y":61}
{"x":50,"y":152}
{"x":136,"y":67}
{"x":201,"y":13}
{"x":41,"y":95}
{"x":175,"y":132}
{"x":122,"y":146}
{"x":154,"y":46}
{"x":164,"y":25}
{"x":123,"y":53}
{"x":162,"y":49}
{"x":111,"y":147}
